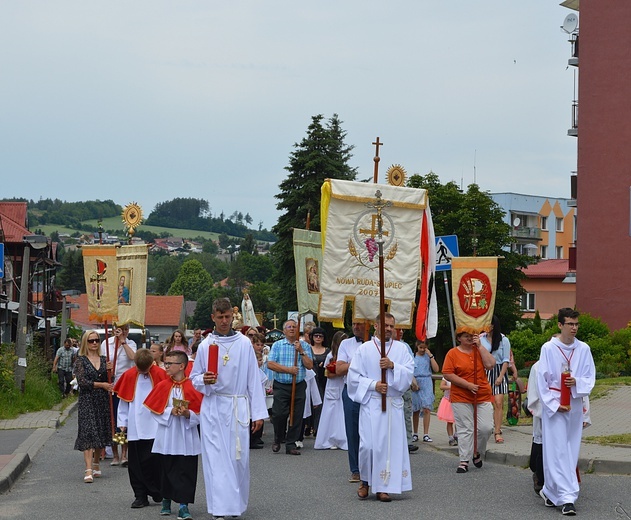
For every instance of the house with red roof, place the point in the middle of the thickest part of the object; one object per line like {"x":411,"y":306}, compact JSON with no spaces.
{"x":42,"y":299}
{"x":163,"y":315}
{"x":549,"y":287}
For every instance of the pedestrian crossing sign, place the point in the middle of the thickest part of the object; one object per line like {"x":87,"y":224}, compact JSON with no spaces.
{"x":446,"y":249}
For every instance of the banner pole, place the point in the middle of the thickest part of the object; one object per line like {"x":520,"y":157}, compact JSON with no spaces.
{"x":449,"y":309}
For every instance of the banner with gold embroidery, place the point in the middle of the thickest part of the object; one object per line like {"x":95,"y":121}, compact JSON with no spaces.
{"x":308,"y":260}
{"x":100,"y":271}
{"x":473,"y":287}
{"x":132,"y":284}
{"x":350,"y":215}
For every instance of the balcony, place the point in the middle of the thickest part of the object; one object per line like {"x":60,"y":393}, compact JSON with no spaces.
{"x":573,"y":132}
{"x":526,"y":232}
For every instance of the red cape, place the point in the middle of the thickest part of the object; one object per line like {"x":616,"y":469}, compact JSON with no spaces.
{"x":158,"y":398}
{"x":125,"y":387}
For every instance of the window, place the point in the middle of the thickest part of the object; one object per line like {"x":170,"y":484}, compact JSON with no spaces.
{"x":559,"y":224}
{"x":544,"y":223}
{"x":528,"y":302}
{"x":544,"y":251}
{"x":559,"y":251}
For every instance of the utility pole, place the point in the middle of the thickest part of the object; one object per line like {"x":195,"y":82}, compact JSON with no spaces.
{"x":20,"y":345}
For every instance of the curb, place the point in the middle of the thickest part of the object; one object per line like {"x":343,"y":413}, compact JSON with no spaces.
{"x":26,"y":451}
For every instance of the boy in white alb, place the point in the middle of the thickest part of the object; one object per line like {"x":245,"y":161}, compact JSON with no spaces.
{"x":175,"y":405}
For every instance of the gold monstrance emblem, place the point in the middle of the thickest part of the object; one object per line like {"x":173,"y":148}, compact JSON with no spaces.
{"x":396,"y":175}
{"x":132,"y":217}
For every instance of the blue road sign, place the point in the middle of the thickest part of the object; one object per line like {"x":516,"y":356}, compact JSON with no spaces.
{"x":1,"y":260}
{"x":446,"y":249}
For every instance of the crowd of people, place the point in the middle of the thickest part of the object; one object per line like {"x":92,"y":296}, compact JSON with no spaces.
{"x":176,"y":401}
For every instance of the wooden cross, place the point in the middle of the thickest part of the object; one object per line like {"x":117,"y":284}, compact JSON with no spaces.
{"x":376,"y":159}
{"x":275,"y":320}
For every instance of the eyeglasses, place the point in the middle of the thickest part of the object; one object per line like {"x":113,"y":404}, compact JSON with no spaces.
{"x":168,"y":364}
{"x":93,"y":340}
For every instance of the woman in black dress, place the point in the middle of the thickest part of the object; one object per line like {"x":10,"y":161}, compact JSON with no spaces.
{"x":320,"y":351}
{"x":95,"y":427}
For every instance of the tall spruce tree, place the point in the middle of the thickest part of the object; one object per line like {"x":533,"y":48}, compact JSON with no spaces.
{"x":321,"y":155}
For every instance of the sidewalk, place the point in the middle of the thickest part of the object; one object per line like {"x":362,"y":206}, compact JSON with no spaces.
{"x":610,"y":415}
{"x":21,"y":439}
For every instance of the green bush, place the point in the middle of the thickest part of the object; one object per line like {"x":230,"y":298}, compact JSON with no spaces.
{"x":590,"y":328}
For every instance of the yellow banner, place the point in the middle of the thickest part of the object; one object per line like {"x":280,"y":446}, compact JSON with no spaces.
{"x":132,"y":284}
{"x":308,"y":260}
{"x":473,"y":287}
{"x":101,"y":281}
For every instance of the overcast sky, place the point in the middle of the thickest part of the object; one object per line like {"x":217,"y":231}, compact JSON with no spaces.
{"x":150,"y":100}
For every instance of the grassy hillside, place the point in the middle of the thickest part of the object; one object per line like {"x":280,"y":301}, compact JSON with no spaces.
{"x":116,"y":224}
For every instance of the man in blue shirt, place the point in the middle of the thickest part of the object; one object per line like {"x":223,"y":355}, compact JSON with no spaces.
{"x":282,"y":361}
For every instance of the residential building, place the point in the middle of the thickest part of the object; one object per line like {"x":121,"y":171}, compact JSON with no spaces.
{"x":43,"y":301}
{"x":548,"y":288}
{"x":541,"y":226}
{"x":163,"y":315}
{"x":602,"y":184}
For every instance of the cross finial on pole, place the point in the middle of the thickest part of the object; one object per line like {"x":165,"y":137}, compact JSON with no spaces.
{"x":376,"y":159}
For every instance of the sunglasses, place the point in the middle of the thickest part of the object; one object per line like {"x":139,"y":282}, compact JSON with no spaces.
{"x":94,"y":340}
{"x":169,"y":363}
{"x":318,"y":335}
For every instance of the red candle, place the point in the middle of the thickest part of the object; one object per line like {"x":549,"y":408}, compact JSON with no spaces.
{"x":213,"y":358}
{"x":565,"y":390}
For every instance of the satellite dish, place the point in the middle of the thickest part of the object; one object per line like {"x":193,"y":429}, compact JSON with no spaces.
{"x":516,"y":221}
{"x":570,"y":23}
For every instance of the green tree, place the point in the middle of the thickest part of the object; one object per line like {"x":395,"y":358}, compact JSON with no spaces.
{"x":248,"y":244}
{"x":70,"y":275}
{"x":478,"y":222}
{"x":218,"y":269}
{"x":322,"y":154}
{"x":210,"y":247}
{"x":162,"y":272}
{"x":192,"y":280}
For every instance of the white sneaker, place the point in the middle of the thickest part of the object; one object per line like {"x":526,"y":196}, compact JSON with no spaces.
{"x":415,"y":438}
{"x":427,"y":438}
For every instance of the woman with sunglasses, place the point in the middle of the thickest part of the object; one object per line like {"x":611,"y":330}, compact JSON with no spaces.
{"x":95,"y":427}
{"x":320,"y":351}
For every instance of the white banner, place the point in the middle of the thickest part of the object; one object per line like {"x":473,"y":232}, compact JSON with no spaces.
{"x":350,"y":270}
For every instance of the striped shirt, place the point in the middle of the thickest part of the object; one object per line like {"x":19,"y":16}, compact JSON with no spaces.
{"x":283,"y":353}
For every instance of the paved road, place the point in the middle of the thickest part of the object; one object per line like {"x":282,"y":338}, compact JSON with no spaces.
{"x":312,"y":486}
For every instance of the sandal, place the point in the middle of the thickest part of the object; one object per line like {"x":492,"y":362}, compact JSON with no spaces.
{"x":498,"y":438}
{"x":477,"y":460}
{"x":96,"y":470}
{"x":463,"y":467}
{"x":88,"y":479}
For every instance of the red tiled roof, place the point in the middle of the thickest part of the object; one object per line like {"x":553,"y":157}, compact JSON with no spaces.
{"x":548,"y":269}
{"x":160,"y":311}
{"x":13,"y":221}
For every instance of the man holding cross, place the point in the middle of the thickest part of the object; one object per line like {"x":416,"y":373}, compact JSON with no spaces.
{"x":384,"y":461}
